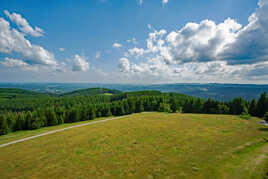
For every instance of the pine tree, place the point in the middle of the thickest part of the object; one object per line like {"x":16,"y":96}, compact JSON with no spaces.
{"x":174,"y":105}
{"x":253,"y":108}
{"x":3,"y":125}
{"x":51,"y":117}
{"x":262,"y":105}
{"x":20,"y":123}
{"x":139,"y":106}
{"x":126,"y":107}
{"x":238,"y":106}
{"x":132,"y":105}
{"x":29,"y":118}
{"x":91,"y":113}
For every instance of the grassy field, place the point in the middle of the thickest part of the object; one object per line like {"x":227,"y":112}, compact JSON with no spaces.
{"x":146,"y":145}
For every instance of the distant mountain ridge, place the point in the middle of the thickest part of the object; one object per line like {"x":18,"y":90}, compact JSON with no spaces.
{"x":217,"y":91}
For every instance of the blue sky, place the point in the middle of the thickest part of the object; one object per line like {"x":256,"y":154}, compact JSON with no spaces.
{"x":87,"y":33}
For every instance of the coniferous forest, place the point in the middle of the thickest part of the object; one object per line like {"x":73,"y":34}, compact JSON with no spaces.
{"x":26,"y":110}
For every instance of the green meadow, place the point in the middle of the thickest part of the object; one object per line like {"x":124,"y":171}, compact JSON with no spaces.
{"x":144,"y":145}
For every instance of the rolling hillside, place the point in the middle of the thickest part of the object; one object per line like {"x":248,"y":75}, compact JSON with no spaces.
{"x":10,"y":93}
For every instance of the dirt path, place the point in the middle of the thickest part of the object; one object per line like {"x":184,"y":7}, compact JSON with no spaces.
{"x":58,"y":130}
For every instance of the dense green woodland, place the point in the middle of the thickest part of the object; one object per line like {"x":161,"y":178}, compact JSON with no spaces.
{"x":26,"y":110}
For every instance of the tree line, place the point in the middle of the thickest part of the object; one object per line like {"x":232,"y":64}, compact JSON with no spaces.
{"x":57,"y":111}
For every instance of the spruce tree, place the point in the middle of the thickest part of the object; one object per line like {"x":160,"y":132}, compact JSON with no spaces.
{"x":253,"y":108}
{"x":3,"y":125}
{"x":262,"y":105}
{"x":51,"y":117}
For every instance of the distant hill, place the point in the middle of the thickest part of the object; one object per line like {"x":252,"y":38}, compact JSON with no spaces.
{"x":92,"y":92}
{"x":9,"y":93}
{"x":223,"y":92}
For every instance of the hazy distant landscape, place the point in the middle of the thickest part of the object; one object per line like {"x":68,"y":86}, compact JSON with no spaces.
{"x":216,"y":91}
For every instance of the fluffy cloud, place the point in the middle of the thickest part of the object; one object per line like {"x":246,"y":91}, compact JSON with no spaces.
{"x":136,"y":52}
{"x":227,"y":41}
{"x":117,"y":45}
{"x":200,"y":42}
{"x":14,"y":63}
{"x":205,"y":51}
{"x":251,"y":43}
{"x":13,"y":41}
{"x":124,"y":64}
{"x":213,"y":71}
{"x":24,"y":25}
{"x":80,"y":64}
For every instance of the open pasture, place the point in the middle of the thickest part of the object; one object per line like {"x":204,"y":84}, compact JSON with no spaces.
{"x":145,"y":145}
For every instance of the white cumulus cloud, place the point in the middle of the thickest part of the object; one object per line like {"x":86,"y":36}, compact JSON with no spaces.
{"x":204,"y":52}
{"x":124,"y":65}
{"x":80,"y":64}
{"x":17,"y":63}
{"x":13,"y":41}
{"x":136,"y":52}
{"x":23,"y":24}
